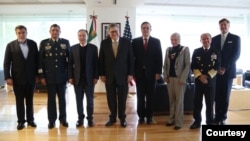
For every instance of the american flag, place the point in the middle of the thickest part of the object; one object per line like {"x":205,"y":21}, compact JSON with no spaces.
{"x":127,"y":33}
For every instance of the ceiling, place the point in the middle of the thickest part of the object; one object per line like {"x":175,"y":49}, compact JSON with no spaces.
{"x":159,"y":7}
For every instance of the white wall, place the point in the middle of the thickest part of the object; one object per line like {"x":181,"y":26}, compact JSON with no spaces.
{"x":111,"y":15}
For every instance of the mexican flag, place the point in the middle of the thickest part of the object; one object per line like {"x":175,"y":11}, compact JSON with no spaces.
{"x":92,"y":33}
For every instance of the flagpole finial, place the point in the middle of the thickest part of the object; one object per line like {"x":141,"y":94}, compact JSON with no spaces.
{"x":127,"y":15}
{"x":93,"y":16}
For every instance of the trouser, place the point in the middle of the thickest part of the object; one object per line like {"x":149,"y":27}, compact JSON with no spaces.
{"x":176,"y":101}
{"x":117,"y":95}
{"x":208,"y":92}
{"x":145,"y":97}
{"x":22,"y":92}
{"x":80,"y":89}
{"x":59,"y":90}
{"x":222,"y":96}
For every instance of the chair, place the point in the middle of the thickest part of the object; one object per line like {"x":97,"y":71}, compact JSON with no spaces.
{"x":246,"y":79}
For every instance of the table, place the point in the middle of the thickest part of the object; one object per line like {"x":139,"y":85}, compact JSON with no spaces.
{"x":239,"y":99}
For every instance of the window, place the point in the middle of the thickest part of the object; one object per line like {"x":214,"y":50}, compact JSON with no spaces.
{"x":38,"y":28}
{"x":190,"y":29}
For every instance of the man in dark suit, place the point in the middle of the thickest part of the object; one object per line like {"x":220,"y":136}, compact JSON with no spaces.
{"x":53,"y":71}
{"x":83,"y":74}
{"x":20,"y":71}
{"x":205,"y":63}
{"x":116,"y":71}
{"x":148,"y":69}
{"x":229,"y":46}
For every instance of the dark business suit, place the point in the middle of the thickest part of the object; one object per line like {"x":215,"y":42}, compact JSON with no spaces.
{"x":205,"y":63}
{"x":229,"y":55}
{"x":116,"y":69}
{"x":83,"y":76}
{"x":23,"y":72}
{"x":53,"y":66}
{"x":147,"y":64}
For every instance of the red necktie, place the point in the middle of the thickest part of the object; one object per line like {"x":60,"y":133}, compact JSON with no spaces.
{"x":145,"y":43}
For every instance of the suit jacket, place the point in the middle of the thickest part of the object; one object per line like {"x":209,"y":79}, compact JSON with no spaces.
{"x":53,"y":60}
{"x":91,"y":68}
{"x":182,"y":64}
{"x":18,"y":68}
{"x":116,"y":69}
{"x":229,"y":53}
{"x":205,"y":64}
{"x":149,"y":61}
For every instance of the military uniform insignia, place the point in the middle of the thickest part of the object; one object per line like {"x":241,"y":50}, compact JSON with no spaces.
{"x":63,"y":46}
{"x":50,"y":54}
{"x":213,"y":56}
{"x":40,"y":71}
{"x":198,"y":58}
{"x":172,"y":55}
{"x":47,"y":47}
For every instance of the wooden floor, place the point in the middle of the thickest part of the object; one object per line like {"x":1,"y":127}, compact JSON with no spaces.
{"x":133,"y":132}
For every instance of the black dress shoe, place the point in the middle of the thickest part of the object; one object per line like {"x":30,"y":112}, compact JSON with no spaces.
{"x":90,"y":123}
{"x":20,"y":126}
{"x":222,"y":122}
{"x":32,"y":124}
{"x":123,"y":123}
{"x":195,"y":125}
{"x":141,"y":121}
{"x":65,"y":123}
{"x":149,"y":121}
{"x":170,"y":124}
{"x":51,"y":125}
{"x":177,"y":128}
{"x":79,"y":123}
{"x":110,"y":122}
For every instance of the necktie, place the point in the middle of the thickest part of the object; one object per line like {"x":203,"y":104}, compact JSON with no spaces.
{"x":206,"y":50}
{"x":145,"y":43}
{"x":115,"y":47}
{"x":223,"y":38}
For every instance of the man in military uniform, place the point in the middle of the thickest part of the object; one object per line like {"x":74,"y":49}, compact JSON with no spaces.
{"x":205,"y":62}
{"x":53,"y":71}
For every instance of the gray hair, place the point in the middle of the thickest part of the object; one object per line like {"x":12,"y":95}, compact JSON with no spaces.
{"x":208,"y":34}
{"x":176,"y":35}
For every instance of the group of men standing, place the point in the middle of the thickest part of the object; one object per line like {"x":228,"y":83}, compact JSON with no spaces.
{"x":119,"y":61}
{"x":214,"y":68}
{"x":55,"y":63}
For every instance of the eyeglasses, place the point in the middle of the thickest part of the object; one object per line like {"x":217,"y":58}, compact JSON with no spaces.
{"x":114,"y":31}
